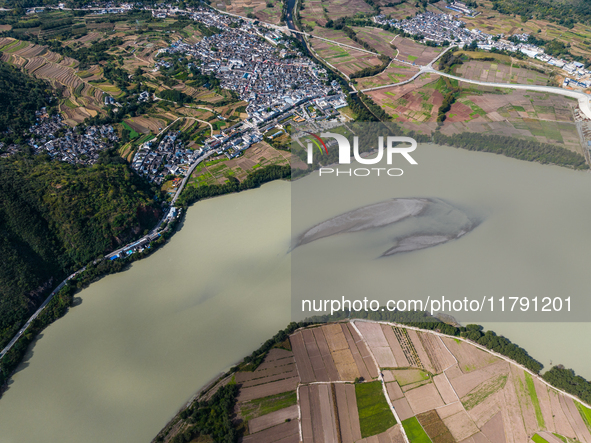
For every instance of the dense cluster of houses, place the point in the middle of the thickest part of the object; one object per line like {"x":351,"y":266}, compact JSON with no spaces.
{"x":73,"y":145}
{"x":247,"y":59}
{"x":438,"y":28}
{"x":447,"y":28}
{"x":168,"y":157}
{"x":261,"y":65}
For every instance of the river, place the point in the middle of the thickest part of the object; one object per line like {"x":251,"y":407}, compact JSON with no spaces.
{"x":119,"y":365}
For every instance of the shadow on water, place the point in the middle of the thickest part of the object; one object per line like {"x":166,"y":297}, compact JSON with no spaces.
{"x":76,"y":301}
{"x":181,"y":222}
{"x":24,"y":364}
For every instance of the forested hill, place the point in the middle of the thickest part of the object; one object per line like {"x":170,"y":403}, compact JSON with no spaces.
{"x":20,"y":97}
{"x":563,"y":12}
{"x":56,"y":217}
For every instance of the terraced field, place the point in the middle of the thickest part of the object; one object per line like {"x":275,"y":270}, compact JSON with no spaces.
{"x":265,"y":10}
{"x":217,"y":170}
{"x":82,"y":99}
{"x":369,"y":382}
{"x":488,"y":71}
{"x":345,"y":59}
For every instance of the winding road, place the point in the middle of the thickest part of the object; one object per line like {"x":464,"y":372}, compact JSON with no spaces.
{"x":152,"y":235}
{"x":584,"y":99}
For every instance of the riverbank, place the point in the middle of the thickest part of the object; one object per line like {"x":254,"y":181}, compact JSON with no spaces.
{"x":58,"y":304}
{"x":136,"y":343}
{"x":443,"y":356}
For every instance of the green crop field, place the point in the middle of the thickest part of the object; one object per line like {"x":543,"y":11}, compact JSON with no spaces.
{"x":375,"y":415}
{"x":483,"y":391}
{"x":132,"y":132}
{"x":266,"y":405}
{"x":414,"y":431}
{"x":529,"y":381}
{"x":585,"y":413}
{"x":538,"y":439}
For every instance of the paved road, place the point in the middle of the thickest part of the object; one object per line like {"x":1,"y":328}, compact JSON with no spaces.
{"x":584,"y":99}
{"x":36,"y":314}
{"x":188,"y":175}
{"x":151,"y":236}
{"x":580,"y":96}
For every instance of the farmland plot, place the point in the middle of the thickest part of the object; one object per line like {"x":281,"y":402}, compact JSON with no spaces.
{"x":417,"y":101}
{"x":59,"y":71}
{"x":341,"y":354}
{"x":378,"y":344}
{"x":318,"y":404}
{"x":480,"y":399}
{"x":347,"y":413}
{"x":346,"y":8}
{"x":257,"y":7}
{"x":346,"y":60}
{"x":382,"y":41}
{"x":394,"y":73}
{"x":276,"y":376}
{"x":416,"y":53}
{"x":495,"y":72}
{"x":434,"y":427}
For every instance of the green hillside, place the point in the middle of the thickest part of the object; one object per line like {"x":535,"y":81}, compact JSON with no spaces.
{"x":56,"y":217}
{"x":20,"y":97}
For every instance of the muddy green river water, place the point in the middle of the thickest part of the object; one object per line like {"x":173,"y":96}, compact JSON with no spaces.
{"x":119,"y":365}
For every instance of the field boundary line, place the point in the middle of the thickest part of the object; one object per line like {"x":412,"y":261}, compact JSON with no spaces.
{"x":381,"y":379}
{"x":299,"y":410}
{"x":482,"y":348}
{"x":456,"y":363}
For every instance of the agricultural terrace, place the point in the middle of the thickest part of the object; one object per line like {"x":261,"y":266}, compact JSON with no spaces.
{"x":399,"y":11}
{"x":146,"y":125}
{"x":493,"y":71}
{"x":265,"y":10}
{"x":316,"y":13}
{"x":345,"y":377}
{"x":344,"y":59}
{"x":130,"y":44}
{"x":413,"y":52}
{"x":492,"y":22}
{"x":218,"y":169}
{"x":82,"y":98}
{"x":378,"y":39}
{"x":394,"y":73}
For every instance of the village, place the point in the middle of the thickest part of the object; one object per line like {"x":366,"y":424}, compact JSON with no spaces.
{"x":257,"y":64}
{"x":80,"y":145}
{"x":262,"y":66}
{"x":446,"y":29}
{"x":169,"y":157}
{"x":265,"y":69}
